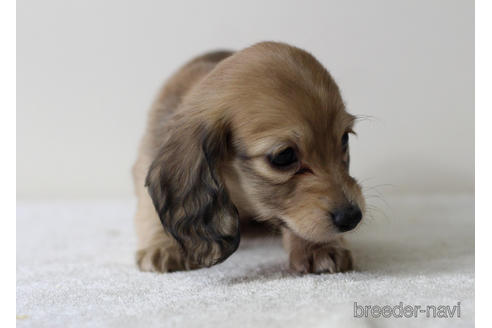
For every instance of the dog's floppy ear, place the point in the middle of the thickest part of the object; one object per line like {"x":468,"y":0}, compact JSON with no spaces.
{"x":189,"y":195}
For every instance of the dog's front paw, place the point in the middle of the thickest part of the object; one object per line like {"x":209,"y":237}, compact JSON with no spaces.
{"x":160,"y":258}
{"x":324,"y":258}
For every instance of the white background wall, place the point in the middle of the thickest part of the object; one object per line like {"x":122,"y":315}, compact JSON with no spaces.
{"x":87,"y":72}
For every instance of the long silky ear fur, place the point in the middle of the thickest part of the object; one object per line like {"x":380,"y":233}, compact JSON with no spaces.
{"x":189,"y":195}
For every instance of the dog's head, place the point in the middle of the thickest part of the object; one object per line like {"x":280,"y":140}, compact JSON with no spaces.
{"x":269,"y":121}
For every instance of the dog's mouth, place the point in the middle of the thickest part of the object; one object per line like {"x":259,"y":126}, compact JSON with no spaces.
{"x":338,"y":221}
{"x":347,"y":227}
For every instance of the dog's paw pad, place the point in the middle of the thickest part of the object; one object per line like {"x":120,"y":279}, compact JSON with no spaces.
{"x":159,"y":259}
{"x":323,"y":259}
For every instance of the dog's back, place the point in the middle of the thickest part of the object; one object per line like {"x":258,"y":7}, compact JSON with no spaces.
{"x":177,"y":86}
{"x":166,"y":103}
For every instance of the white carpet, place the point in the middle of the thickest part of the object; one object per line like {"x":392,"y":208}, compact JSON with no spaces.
{"x":75,"y":269}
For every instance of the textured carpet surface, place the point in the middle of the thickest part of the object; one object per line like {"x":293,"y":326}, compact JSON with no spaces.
{"x":75,"y":268}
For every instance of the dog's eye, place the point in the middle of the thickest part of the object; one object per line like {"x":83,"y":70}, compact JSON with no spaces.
{"x":345,"y":140}
{"x":285,"y":158}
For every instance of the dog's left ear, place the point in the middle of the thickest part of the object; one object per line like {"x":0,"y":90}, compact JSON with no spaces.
{"x":189,"y":195}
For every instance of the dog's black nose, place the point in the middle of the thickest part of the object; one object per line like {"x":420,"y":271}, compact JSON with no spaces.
{"x":347,"y":218}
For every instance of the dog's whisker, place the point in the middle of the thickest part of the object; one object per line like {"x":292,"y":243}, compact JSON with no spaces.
{"x":362,"y":118}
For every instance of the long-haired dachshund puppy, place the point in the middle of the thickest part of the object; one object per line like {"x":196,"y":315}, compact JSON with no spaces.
{"x":260,"y":134}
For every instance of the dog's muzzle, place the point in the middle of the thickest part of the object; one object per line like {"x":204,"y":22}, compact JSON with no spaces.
{"x":347,"y":218}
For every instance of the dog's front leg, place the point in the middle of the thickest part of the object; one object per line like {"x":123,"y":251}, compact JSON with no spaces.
{"x":309,"y":257}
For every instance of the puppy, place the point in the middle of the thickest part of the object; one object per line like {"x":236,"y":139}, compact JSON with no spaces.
{"x":260,"y":134}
